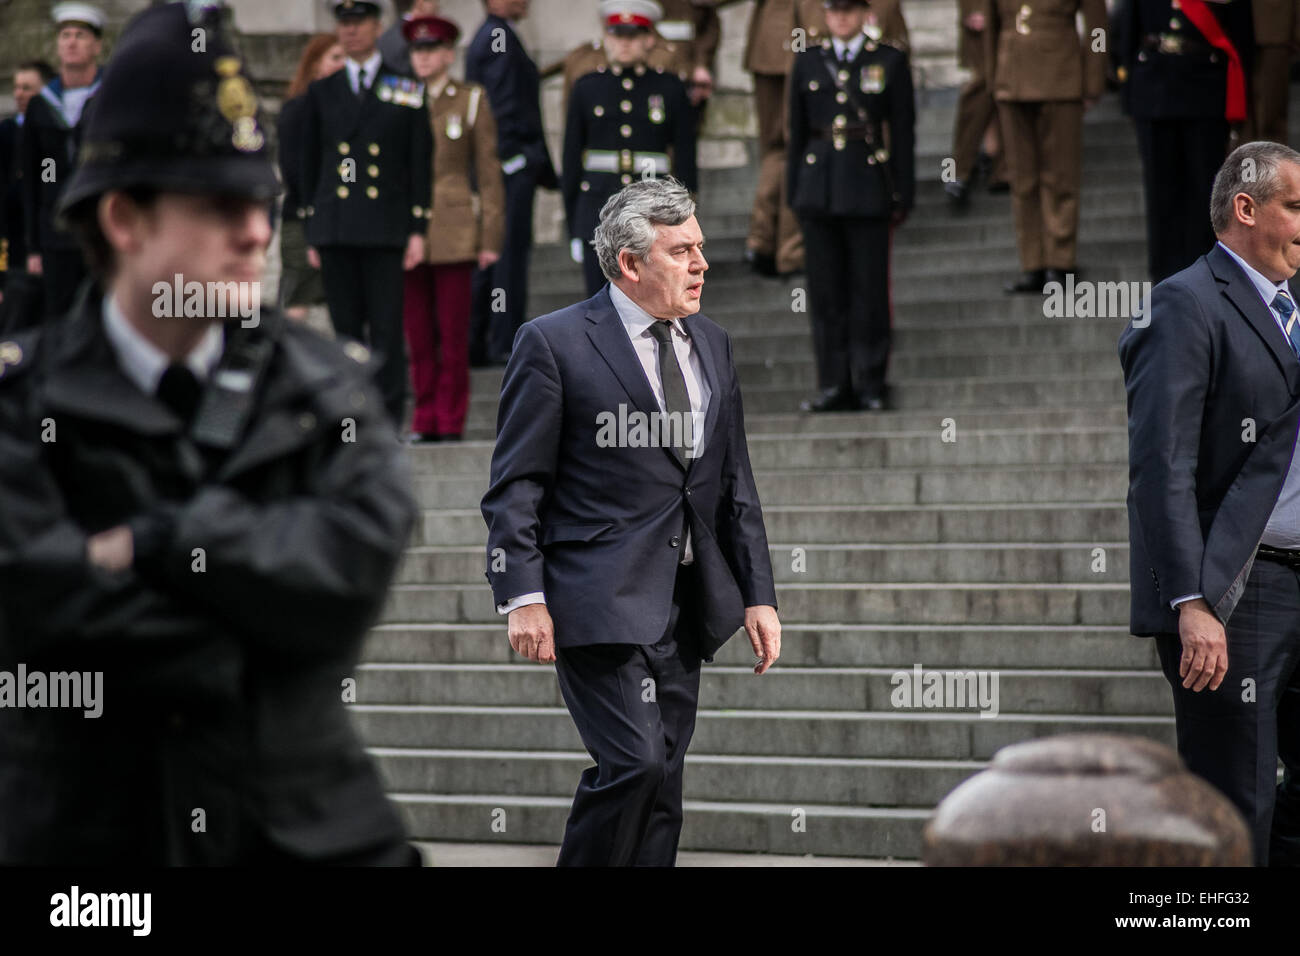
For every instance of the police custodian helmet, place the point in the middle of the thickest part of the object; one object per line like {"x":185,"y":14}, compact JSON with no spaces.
{"x":175,"y":112}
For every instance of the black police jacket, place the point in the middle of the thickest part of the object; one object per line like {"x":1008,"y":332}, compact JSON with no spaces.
{"x":870,"y":170}
{"x":225,"y":648}
{"x":367,"y":163}
{"x":628,"y":112}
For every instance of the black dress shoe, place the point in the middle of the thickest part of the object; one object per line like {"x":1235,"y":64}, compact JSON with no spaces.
{"x":958,"y":194}
{"x":832,"y":400}
{"x":874,"y":401}
{"x":761,"y":263}
{"x":422,"y":438}
{"x":1055,"y":275}
{"x":448,"y":436}
{"x":1000,"y":186}
{"x":1031,"y":281}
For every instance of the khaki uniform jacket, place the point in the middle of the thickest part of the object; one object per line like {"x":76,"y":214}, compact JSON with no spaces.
{"x":773,"y":22}
{"x":705,"y":31}
{"x":1034,"y":52}
{"x":966,"y":39}
{"x":1277,"y":22}
{"x":464,"y":222}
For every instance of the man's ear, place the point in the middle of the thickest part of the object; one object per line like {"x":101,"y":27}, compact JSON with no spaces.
{"x":1244,"y":209}
{"x":627,"y":264}
{"x":121,"y":220}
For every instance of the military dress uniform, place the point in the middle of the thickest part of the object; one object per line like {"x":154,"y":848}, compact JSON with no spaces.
{"x":1277,"y":40}
{"x":851,"y":173}
{"x":365,"y":178}
{"x":1042,"y":71}
{"x":1176,"y":88}
{"x":622,"y":123}
{"x":591,"y":57}
{"x":975,"y":106}
{"x":468,"y":218}
{"x":222,"y":738}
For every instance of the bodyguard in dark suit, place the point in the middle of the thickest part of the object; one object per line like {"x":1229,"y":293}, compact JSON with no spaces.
{"x":626,"y":120}
{"x":1212,"y":371}
{"x":1185,"y":67}
{"x":47,"y":152}
{"x":624,"y":558}
{"x":498,"y":62}
{"x":367,"y":178}
{"x":851,"y":179}
{"x":180,"y":517}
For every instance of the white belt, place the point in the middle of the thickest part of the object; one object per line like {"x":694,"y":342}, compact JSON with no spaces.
{"x":624,"y":161}
{"x":680,"y":31}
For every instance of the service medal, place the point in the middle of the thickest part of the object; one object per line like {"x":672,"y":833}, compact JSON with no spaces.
{"x":454,"y":128}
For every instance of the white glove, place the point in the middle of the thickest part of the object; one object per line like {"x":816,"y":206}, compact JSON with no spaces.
{"x":575,"y":250}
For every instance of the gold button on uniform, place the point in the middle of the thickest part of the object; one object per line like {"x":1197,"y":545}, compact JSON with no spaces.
{"x":810,"y":159}
{"x":625,"y":131}
{"x":342,"y":192}
{"x":343,"y":149}
{"x":598,"y":110}
{"x":625,"y":106}
{"x":417,"y":212}
{"x":627,"y":83}
{"x":373,"y":148}
{"x":372,"y":192}
{"x":841,"y":97}
{"x":372,"y":171}
{"x":626,"y":179}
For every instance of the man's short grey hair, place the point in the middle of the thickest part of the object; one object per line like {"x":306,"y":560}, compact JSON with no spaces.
{"x":629,"y":217}
{"x":1252,"y":168}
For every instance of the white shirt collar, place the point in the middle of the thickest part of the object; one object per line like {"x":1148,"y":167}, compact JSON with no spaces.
{"x":853,"y":46}
{"x":636,"y":320}
{"x":1268,"y":289}
{"x":143,"y":362}
{"x":370,"y":68}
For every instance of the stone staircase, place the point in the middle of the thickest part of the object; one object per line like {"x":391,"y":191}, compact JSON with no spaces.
{"x":893,"y":548}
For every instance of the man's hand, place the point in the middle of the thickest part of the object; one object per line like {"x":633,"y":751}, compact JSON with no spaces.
{"x":531,"y":633}
{"x":1205,"y":646}
{"x":487,"y":257}
{"x":34,"y":263}
{"x":764,"y":632}
{"x":414,"y":254}
{"x":701,"y":86}
{"x":974,"y":22}
{"x":112,"y":550}
{"x":313,"y":257}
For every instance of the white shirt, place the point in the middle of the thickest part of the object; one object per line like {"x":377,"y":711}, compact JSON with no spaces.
{"x":1283,"y":528}
{"x":637,"y":322}
{"x":370,"y":68}
{"x":74,"y":100}
{"x":854,"y":46}
{"x":143,"y":362}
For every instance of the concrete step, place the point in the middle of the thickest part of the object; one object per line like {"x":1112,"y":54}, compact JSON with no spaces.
{"x":856,"y":603}
{"x":854,"y":781}
{"x":920,"y":734}
{"x":1012,"y":484}
{"x":1022,"y":691}
{"x":1078,"y":562}
{"x":821,"y":645}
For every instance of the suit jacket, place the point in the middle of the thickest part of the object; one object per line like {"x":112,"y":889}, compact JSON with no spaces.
{"x":387,"y":137}
{"x":1033,"y":51}
{"x":468,"y":192}
{"x":1200,"y":494}
{"x":1190,"y":83}
{"x":498,"y":62}
{"x":11,"y":201}
{"x":861,"y":179}
{"x":221,"y":689}
{"x":45,"y":135}
{"x":598,"y":529}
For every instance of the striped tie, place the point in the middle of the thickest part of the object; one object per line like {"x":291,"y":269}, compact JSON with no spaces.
{"x":1285,"y":307}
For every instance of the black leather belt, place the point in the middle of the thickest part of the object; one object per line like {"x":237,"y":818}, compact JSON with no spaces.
{"x":1288,"y":556}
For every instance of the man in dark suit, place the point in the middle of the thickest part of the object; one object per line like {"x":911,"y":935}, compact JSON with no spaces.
{"x":195,"y":533}
{"x":625,"y":536}
{"x":21,"y":290}
{"x":368,"y":179}
{"x":1212,"y":368}
{"x":47,"y":152}
{"x":498,"y":62}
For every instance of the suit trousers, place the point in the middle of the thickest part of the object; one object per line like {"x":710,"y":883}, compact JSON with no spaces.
{"x":1233,"y":738}
{"x":363,"y":288}
{"x":1180,"y":158}
{"x":436,"y":316}
{"x":1043,"y":143}
{"x":848,"y":290}
{"x":773,"y":228}
{"x":500,"y":304}
{"x":634,"y":706}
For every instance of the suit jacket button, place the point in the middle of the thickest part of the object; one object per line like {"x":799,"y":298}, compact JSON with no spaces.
{"x":674,"y":541}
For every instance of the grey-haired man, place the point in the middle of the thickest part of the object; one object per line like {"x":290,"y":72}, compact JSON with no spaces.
{"x":625,"y":536}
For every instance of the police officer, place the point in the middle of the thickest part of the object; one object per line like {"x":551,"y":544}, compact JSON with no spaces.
{"x":47,"y":151}
{"x":1044,"y":76}
{"x":625,"y":121}
{"x":367,"y":153}
{"x":202,"y":508}
{"x":1184,"y":64}
{"x":851,"y":178}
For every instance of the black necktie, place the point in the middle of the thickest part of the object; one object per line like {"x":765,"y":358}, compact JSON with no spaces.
{"x":179,"y":390}
{"x":362,"y":88}
{"x":677,"y":402}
